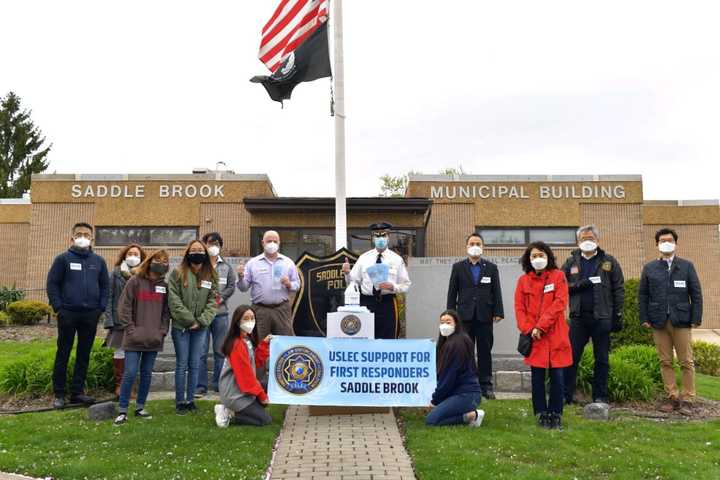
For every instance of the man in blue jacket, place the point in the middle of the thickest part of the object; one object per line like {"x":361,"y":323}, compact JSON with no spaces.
{"x":77,"y":287}
{"x":670,"y":299}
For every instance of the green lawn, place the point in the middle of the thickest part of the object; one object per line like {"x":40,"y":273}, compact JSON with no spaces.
{"x":11,"y":351}
{"x":510,"y":446}
{"x":707,"y":386}
{"x":68,"y":446}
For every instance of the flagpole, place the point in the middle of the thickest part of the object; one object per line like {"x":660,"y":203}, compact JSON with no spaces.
{"x":339,"y":102}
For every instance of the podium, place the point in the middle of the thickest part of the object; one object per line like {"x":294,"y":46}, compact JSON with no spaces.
{"x":352,"y":321}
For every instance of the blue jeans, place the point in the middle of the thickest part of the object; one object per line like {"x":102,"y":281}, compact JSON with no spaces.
{"x":450,"y":411}
{"x":218,"y":329}
{"x":188,"y":348}
{"x":144,"y":361}
{"x":540,"y":402}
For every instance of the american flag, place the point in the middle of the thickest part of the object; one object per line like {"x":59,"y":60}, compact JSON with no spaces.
{"x":291,"y":24}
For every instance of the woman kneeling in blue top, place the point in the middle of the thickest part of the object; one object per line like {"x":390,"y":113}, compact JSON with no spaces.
{"x":458,"y":391}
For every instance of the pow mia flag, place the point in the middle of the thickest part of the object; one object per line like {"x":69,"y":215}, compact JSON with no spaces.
{"x":322,"y":290}
{"x":294,"y":47}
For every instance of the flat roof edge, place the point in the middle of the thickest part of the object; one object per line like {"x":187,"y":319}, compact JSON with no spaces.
{"x":15,"y":201}
{"x":524,"y":178}
{"x":122,"y":177}
{"x":682,"y":203}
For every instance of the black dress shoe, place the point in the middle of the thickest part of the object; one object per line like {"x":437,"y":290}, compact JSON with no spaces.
{"x":489,"y":394}
{"x":601,"y":400}
{"x":59,"y":403}
{"x":82,"y":398}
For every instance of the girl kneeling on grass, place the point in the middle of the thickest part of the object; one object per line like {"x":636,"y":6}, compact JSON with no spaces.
{"x":458,"y":391}
{"x":144,"y":315}
{"x":243,"y":398}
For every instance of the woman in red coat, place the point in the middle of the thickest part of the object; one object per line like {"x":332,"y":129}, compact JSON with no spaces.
{"x":541,"y":298}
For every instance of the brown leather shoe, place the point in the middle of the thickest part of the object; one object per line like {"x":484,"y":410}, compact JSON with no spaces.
{"x":669,"y":405}
{"x":686,"y":408}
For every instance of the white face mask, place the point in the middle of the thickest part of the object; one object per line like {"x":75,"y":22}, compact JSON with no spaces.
{"x":474,"y":250}
{"x":271,"y":248}
{"x":588,"y":246}
{"x":248,"y":326}
{"x":446,"y":329}
{"x":81,"y":242}
{"x":666,"y":247}
{"x":214,"y":250}
{"x":132,"y":261}
{"x":539,"y":263}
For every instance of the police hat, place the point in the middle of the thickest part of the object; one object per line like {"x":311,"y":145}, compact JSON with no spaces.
{"x":380,"y":226}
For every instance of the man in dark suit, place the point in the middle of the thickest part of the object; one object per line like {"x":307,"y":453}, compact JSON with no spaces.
{"x":474,"y":291}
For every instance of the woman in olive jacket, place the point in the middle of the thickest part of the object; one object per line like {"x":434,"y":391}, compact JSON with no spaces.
{"x":193,"y":302}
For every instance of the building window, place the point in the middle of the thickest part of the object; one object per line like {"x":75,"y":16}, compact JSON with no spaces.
{"x":321,"y":241}
{"x":516,"y":237}
{"x":151,"y":236}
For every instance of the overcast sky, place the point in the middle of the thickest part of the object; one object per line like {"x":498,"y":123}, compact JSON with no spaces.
{"x":553,"y":87}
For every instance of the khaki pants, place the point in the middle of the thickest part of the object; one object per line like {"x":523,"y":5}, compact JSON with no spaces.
{"x":276,"y":321}
{"x":667,"y":338}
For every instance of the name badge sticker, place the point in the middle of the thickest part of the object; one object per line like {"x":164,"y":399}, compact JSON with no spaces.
{"x":159,"y":289}
{"x":680,"y":284}
{"x":574,"y":270}
{"x":485,"y":280}
{"x":550,"y":287}
{"x":222,"y":281}
{"x":595,"y":279}
{"x":206,"y":284}
{"x":75,"y":266}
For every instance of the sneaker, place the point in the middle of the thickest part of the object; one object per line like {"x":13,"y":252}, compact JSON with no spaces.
{"x":181,"y":409}
{"x":222,"y":416}
{"x":601,"y":400}
{"x":59,"y":403}
{"x":82,"y":398}
{"x":479,"y":415}
{"x":142,"y":413}
{"x":489,"y":394}
{"x":555,"y":421}
{"x":543,"y":420}
{"x":200,"y":392}
{"x":191,"y":407}
{"x":120,"y":419}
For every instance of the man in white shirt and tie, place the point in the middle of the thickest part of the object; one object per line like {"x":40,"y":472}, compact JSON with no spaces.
{"x":390,"y":279}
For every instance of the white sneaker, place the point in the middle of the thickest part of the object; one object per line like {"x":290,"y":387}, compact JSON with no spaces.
{"x":479,"y":415}
{"x":222,"y":416}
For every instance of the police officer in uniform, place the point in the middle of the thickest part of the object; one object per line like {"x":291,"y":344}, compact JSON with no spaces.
{"x":380,"y":299}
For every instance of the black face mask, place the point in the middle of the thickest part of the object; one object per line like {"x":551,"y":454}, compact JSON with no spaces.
{"x":159,"y":268}
{"x":196,"y":258}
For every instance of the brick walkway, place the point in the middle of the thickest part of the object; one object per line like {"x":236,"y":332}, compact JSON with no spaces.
{"x":340,"y":447}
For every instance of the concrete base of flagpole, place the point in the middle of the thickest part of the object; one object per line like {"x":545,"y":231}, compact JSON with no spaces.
{"x":319,"y":410}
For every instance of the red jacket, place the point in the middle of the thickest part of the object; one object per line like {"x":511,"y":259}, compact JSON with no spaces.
{"x":540,"y":302}
{"x":244,"y":372}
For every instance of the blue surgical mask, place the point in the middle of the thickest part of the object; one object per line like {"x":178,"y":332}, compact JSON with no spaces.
{"x":380,"y":242}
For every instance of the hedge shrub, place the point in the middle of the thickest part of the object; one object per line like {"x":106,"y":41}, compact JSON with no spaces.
{"x":632,"y":374}
{"x":632,"y":333}
{"x":707,"y":358}
{"x":32,"y":374}
{"x":28,"y":312}
{"x":4,"y":319}
{"x":9,"y":295}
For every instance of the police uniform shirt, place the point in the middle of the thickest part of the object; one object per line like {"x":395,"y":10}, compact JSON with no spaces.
{"x":397,"y":275}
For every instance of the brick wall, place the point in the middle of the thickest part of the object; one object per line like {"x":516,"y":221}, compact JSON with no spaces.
{"x":232,"y":221}
{"x":701,"y":245}
{"x":447,"y":229}
{"x":621,"y":233}
{"x":13,"y":254}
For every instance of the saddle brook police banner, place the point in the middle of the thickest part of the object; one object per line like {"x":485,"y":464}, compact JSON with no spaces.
{"x":351,"y":372}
